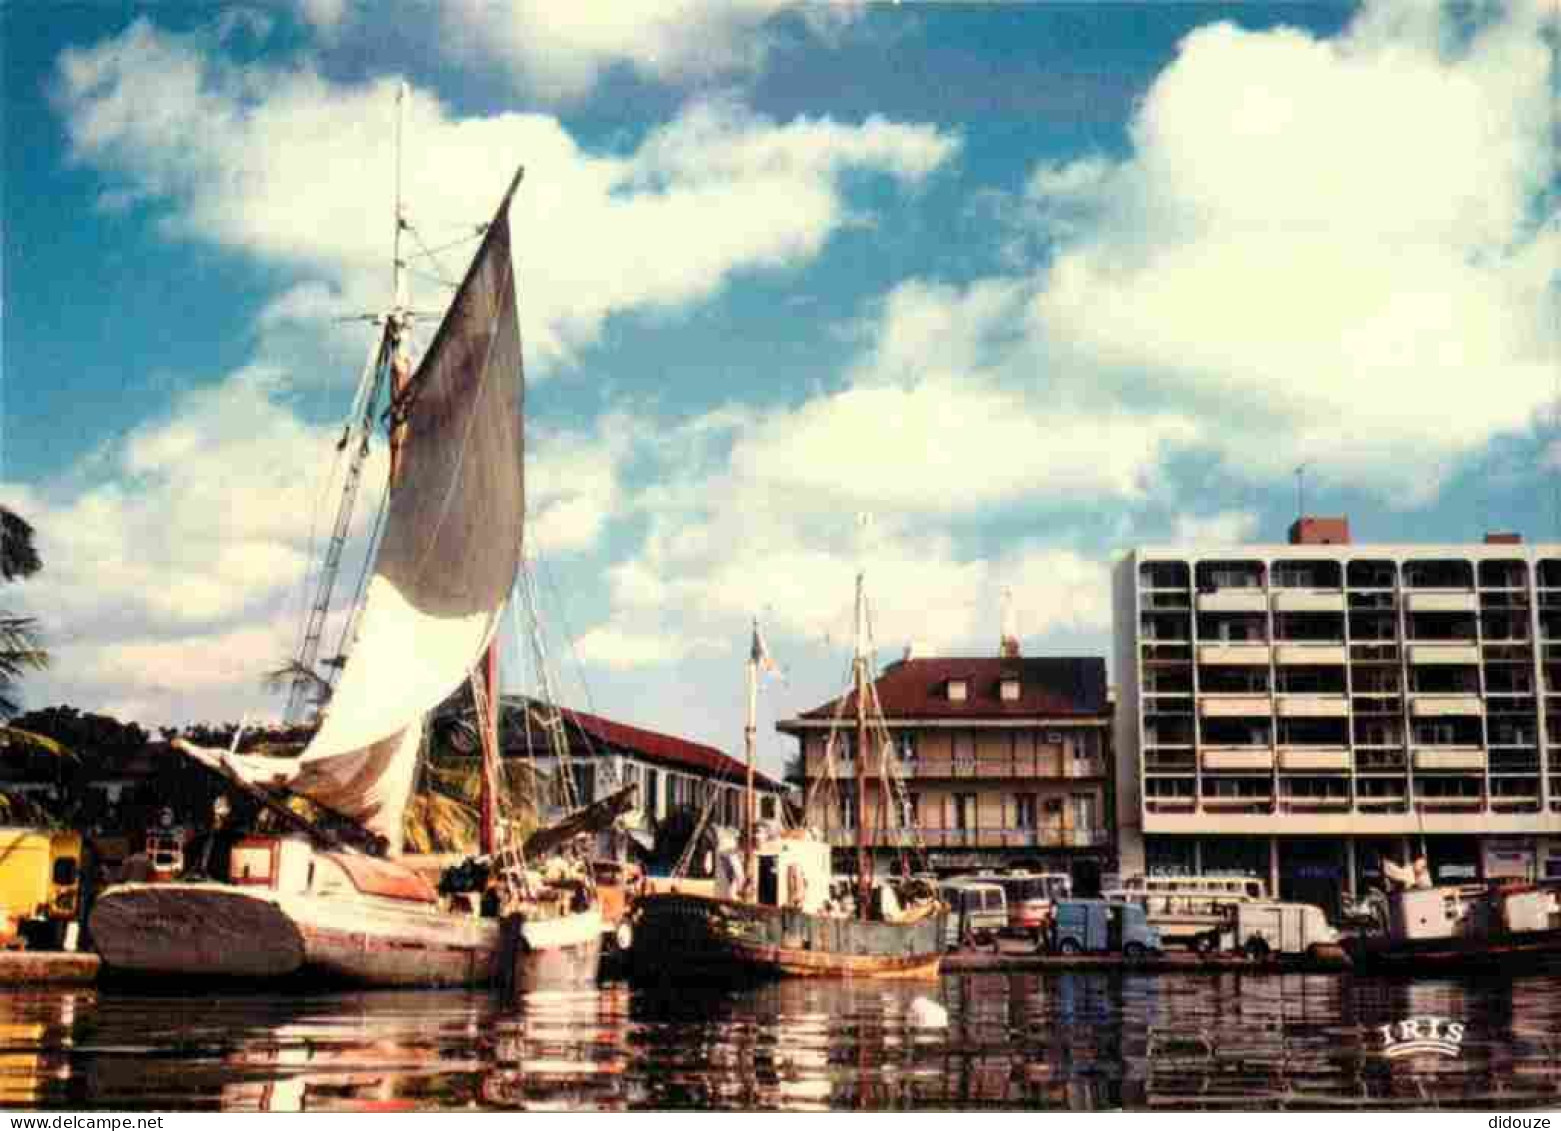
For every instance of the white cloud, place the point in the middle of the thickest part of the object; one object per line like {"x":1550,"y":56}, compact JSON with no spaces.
{"x":1226,"y":528}
{"x":174,"y":558}
{"x":1336,"y":243}
{"x":572,"y":483}
{"x":284,"y":165}
{"x":559,"y":51}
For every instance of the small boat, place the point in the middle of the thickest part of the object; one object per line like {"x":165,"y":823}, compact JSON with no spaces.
{"x":1454,"y":927}
{"x":329,"y":899}
{"x":776,"y":910}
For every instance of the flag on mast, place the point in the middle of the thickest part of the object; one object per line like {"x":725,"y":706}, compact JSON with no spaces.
{"x":760,"y":654}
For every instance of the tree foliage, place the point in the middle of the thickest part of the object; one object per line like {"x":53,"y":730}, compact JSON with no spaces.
{"x":21,"y":650}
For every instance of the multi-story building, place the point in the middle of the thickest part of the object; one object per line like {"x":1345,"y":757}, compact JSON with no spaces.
{"x":1301,"y":711}
{"x":671,"y":772}
{"x":1000,"y":761}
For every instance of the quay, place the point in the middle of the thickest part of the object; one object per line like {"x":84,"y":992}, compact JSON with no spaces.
{"x":48,"y":968}
{"x":1012,"y":957}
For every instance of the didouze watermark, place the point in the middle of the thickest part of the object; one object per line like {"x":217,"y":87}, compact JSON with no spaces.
{"x":1440,"y":1036}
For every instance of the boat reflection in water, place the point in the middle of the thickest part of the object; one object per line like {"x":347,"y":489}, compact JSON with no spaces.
{"x":1037,"y":1041}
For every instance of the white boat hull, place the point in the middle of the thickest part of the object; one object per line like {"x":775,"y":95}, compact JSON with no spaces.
{"x":563,"y":953}
{"x":212,"y":930}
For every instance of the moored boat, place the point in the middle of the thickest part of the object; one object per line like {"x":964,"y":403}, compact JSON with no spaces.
{"x":776,"y":910}
{"x":328,"y":897}
{"x":1462,"y":927}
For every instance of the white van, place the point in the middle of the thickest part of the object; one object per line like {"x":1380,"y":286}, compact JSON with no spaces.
{"x":1265,"y":928}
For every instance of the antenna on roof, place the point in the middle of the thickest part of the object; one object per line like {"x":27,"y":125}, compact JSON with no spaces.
{"x":1300,"y":489}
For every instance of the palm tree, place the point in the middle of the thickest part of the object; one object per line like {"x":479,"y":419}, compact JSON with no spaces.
{"x":20,"y":648}
{"x":289,"y":671}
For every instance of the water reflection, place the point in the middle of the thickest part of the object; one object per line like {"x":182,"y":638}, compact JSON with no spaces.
{"x":1076,"y":1041}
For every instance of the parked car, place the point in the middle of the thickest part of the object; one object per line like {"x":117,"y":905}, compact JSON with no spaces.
{"x":978,"y":912}
{"x":1262,"y":928}
{"x":1102,"y":925}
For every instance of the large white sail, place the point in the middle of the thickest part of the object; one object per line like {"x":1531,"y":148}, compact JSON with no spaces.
{"x":446,"y":560}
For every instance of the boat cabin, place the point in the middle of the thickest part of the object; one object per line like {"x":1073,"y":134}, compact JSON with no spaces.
{"x":793,"y":871}
{"x":290,"y":865}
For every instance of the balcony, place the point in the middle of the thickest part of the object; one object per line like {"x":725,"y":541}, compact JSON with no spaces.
{"x":1313,"y":706}
{"x":1308,"y":601}
{"x":1217,"y":706}
{"x":1238,"y":758}
{"x":1233,"y":654}
{"x":1260,"y":802}
{"x":1296,"y":654}
{"x":1441,"y":602}
{"x":1444,"y":654}
{"x":1435,"y":706}
{"x":1449,"y":758}
{"x":1332,"y":758}
{"x":1233,"y":601}
{"x":1047,"y":837}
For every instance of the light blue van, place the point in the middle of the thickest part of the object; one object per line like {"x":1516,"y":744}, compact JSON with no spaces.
{"x":1084,"y":926}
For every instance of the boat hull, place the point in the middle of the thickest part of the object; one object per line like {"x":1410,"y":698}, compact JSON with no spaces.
{"x":541,"y":955}
{"x":222,"y":931}
{"x":681,"y":937}
{"x":1504,"y":951}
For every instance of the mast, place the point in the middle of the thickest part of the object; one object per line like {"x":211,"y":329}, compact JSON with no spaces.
{"x":396,"y":318}
{"x":750,"y":889}
{"x":864,"y":861}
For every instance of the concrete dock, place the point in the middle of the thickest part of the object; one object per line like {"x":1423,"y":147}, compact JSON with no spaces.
{"x":48,"y":968}
{"x":1009,"y":955}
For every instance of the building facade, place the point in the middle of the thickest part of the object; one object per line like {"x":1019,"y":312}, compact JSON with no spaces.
{"x":671,"y":772}
{"x":1301,"y":711}
{"x":1000,"y":762}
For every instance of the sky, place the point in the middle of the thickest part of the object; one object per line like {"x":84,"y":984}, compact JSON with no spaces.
{"x":973,"y":297}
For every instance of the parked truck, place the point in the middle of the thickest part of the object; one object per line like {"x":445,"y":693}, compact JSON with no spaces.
{"x":1101,"y":925}
{"x":40,"y":887}
{"x":1270,"y":927}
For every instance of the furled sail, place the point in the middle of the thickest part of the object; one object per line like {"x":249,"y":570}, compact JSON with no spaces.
{"x":446,"y":560}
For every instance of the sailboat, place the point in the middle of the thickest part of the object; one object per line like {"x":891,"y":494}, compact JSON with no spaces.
{"x":330,"y":899}
{"x":777,"y":910}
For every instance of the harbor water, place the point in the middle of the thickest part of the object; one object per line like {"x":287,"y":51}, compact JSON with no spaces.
{"x":1078,"y":1041}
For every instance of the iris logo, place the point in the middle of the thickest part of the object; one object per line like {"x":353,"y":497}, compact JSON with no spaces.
{"x":1439,"y":1036}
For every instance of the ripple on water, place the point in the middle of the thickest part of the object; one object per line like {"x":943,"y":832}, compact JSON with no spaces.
{"x":1064,"y":1041}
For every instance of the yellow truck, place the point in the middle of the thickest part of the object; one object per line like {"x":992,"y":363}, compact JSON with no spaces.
{"x":40,"y":887}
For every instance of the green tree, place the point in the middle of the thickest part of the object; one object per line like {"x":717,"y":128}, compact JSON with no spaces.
{"x":20,"y":647}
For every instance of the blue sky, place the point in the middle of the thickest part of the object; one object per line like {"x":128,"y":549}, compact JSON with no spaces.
{"x":1029,"y":283}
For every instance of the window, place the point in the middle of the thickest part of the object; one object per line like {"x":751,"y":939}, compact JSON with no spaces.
{"x":847,"y":811}
{"x":652,"y":804}
{"x":905,"y":747}
{"x":1010,"y":690}
{"x":964,"y":810}
{"x":912,"y":810}
{"x":585,"y":782}
{"x":1025,"y":810}
{"x":767,"y":808}
{"x":957,"y":690}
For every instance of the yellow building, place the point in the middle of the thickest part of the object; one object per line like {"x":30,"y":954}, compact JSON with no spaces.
{"x":1001,"y":761}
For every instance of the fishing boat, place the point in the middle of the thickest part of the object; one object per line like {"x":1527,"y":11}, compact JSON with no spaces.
{"x":331,"y":899}
{"x":776,"y":910}
{"x":1420,"y":927}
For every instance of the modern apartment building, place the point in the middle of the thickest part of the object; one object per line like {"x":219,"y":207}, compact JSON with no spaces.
{"x":1301,"y":711}
{"x":1002,"y":761}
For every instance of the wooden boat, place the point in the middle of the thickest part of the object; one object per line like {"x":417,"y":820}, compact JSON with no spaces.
{"x":776,"y":912}
{"x":1462,"y":927}
{"x":334,"y":902}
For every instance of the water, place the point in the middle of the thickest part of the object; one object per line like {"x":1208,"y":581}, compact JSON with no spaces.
{"x":1066,"y":1041}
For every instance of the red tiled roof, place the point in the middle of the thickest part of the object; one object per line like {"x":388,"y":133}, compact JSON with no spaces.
{"x":662,"y":748}
{"x":1049,"y":687}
